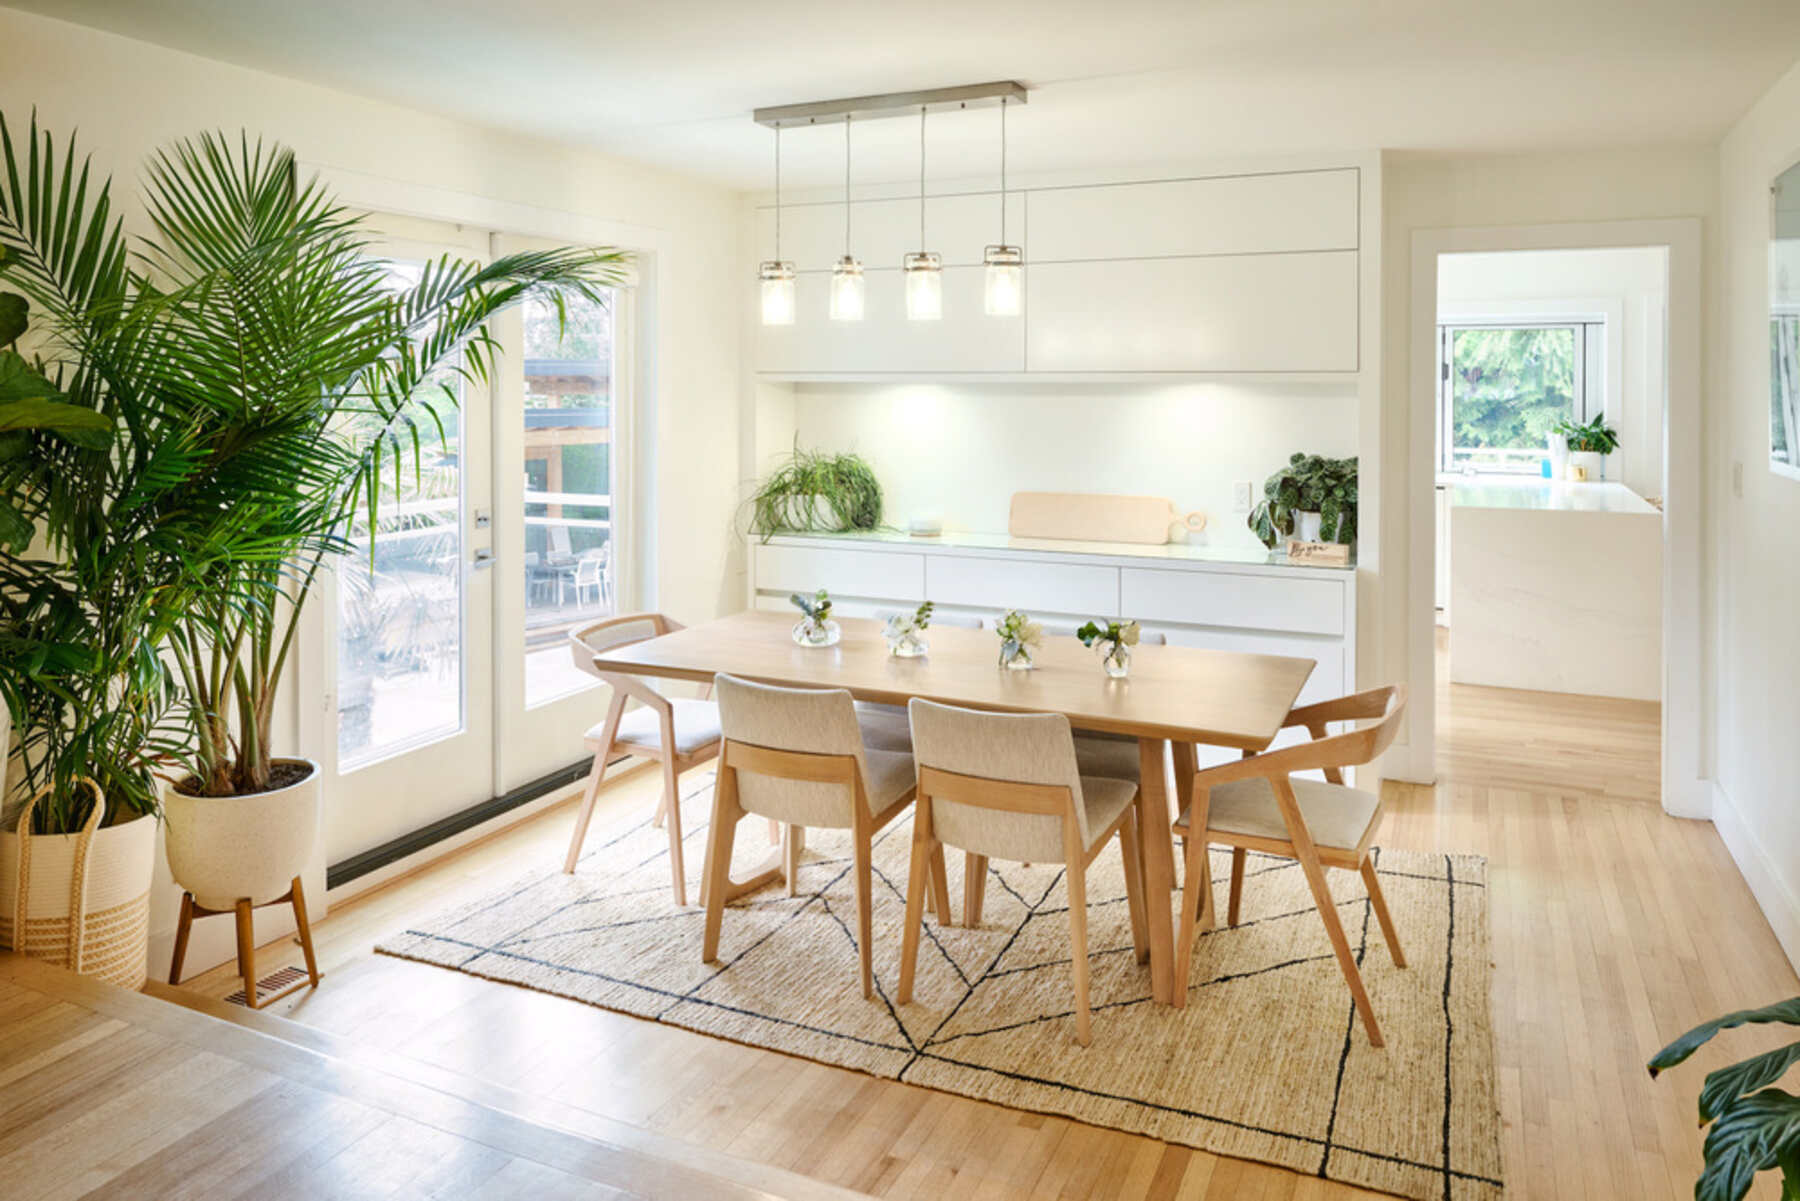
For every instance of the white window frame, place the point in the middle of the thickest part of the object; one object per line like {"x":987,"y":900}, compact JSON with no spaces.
{"x":1592,"y":351}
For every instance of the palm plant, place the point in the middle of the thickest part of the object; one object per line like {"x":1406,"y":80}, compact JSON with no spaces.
{"x":271,"y":384}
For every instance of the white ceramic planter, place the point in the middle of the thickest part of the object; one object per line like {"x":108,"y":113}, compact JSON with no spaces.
{"x":1590,"y":461}
{"x":89,"y":912}
{"x":1307,"y":525}
{"x":224,"y":849}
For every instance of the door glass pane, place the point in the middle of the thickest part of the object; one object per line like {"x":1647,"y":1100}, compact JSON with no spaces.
{"x":570,"y":551}
{"x":400,"y":613}
{"x":1508,"y":389}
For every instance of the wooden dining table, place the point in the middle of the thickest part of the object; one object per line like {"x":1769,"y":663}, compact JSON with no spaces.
{"x":1177,"y":695}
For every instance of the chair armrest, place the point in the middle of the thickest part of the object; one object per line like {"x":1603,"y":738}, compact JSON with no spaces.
{"x":1361,"y":705}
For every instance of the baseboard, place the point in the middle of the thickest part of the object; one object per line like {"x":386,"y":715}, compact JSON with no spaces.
{"x":1773,"y":894}
{"x":1689,"y":798}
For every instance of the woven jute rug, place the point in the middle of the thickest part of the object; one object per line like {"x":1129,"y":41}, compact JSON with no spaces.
{"x":1266,"y":1061}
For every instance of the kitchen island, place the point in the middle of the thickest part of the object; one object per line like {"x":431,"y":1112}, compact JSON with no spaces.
{"x":1555,"y":587}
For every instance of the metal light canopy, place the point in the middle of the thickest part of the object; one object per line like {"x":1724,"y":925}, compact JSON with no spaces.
{"x":892,"y":104}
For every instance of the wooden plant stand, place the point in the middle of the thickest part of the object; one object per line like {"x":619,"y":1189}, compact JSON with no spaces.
{"x":246,"y":942}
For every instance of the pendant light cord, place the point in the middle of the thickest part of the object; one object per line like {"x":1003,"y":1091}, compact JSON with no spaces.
{"x":921,"y":179}
{"x":846,"y":185}
{"x":1002,"y":177}
{"x":778,"y":193}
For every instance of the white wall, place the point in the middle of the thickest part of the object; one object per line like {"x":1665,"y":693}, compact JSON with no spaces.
{"x":1627,"y":287}
{"x":959,"y":451}
{"x":127,"y":98}
{"x":1757,"y":806}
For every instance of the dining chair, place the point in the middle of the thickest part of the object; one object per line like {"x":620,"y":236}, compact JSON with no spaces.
{"x":590,"y":572}
{"x":886,"y":727}
{"x":1007,"y":786}
{"x":796,"y":756}
{"x":1256,"y":804}
{"x":679,"y":733}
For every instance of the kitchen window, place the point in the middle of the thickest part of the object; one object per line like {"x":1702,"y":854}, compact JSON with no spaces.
{"x":1503,"y":387}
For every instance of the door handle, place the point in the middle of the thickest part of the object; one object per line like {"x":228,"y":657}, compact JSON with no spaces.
{"x":483,"y":559}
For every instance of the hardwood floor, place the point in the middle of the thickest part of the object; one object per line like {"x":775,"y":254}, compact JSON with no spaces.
{"x":1614,"y":928}
{"x":105,"y":1093}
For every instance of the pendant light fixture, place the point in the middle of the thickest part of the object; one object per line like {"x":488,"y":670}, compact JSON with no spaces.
{"x":1002,"y":265}
{"x":923,"y":270}
{"x":777,"y":274}
{"x":847,"y":276}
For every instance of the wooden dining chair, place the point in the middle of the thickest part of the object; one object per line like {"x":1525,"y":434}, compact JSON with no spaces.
{"x":678,"y":733}
{"x":1006,"y":786}
{"x":796,"y":756}
{"x":1256,"y":804}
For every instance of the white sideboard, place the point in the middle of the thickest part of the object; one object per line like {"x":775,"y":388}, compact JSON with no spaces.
{"x":1195,"y":595}
{"x":1247,"y":273}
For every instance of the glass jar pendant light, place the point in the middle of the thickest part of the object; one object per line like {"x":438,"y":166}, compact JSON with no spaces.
{"x":847,"y":276}
{"x":777,"y":274}
{"x":1003,"y":265}
{"x":923,"y":270}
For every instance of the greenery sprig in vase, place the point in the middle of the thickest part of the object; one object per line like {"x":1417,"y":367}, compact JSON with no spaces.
{"x":1019,"y":639}
{"x":1308,"y":484}
{"x":1114,"y":641}
{"x":905,"y":632}
{"x":1754,"y":1128}
{"x":815,"y":627}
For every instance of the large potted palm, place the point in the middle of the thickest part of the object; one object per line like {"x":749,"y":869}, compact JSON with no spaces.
{"x":281,"y":380}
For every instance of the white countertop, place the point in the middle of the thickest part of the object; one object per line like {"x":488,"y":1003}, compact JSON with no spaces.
{"x":1173,"y":553}
{"x":1532,"y":492}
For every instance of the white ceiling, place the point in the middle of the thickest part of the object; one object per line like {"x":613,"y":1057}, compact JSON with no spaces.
{"x":1117,"y":83}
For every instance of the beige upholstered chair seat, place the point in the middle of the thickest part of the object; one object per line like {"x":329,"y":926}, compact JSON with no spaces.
{"x":696,"y":724}
{"x":1336,"y":816}
{"x":1115,"y":756}
{"x":891,"y":777}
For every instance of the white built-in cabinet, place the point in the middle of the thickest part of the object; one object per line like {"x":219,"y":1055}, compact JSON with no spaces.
{"x":1245,"y":273}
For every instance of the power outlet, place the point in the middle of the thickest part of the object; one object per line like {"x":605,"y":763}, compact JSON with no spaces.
{"x":1241,"y":492}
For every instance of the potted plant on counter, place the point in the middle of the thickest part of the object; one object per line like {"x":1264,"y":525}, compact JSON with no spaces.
{"x":1589,"y":444}
{"x":813,"y":492}
{"x":1312,"y":499}
{"x":272,"y":378}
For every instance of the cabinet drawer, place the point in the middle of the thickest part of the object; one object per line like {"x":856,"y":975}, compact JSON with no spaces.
{"x":1251,"y":602}
{"x":806,"y":569}
{"x":1000,"y":584}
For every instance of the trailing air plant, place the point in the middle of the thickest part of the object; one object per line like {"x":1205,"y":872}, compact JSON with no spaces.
{"x":815,"y":492}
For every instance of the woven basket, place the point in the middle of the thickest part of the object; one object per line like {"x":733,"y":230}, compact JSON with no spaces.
{"x":80,"y":901}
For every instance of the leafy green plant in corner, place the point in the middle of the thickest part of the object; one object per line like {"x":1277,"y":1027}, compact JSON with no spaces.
{"x":1308,"y":484}
{"x":814,"y":492}
{"x":1754,"y":1128}
{"x":1594,"y":436}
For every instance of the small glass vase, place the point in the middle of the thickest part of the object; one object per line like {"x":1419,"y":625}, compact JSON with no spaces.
{"x":1017,"y":657}
{"x":810,"y":632}
{"x":1115,"y":657}
{"x":906,"y":644}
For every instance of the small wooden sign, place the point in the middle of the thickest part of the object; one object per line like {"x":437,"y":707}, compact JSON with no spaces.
{"x":1318,"y":554}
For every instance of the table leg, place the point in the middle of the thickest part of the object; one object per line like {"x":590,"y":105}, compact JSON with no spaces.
{"x":1157,"y":851}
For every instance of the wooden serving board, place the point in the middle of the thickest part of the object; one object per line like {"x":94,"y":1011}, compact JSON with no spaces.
{"x":1097,"y":517}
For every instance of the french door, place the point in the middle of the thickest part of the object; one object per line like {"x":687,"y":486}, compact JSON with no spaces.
{"x":446,"y":678}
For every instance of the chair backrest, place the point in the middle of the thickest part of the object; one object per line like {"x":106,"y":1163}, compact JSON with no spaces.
{"x":612,"y":632}
{"x":992,"y":751}
{"x":812,"y":767}
{"x":1145,"y":637}
{"x":531,"y":558}
{"x":1353,"y":748}
{"x":588,"y":569}
{"x":560,"y":547}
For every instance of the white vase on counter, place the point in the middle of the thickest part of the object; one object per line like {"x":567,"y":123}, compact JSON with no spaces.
{"x":1591,"y":465}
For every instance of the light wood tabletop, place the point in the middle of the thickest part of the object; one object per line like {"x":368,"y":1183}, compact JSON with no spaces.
{"x":1222,"y":698}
